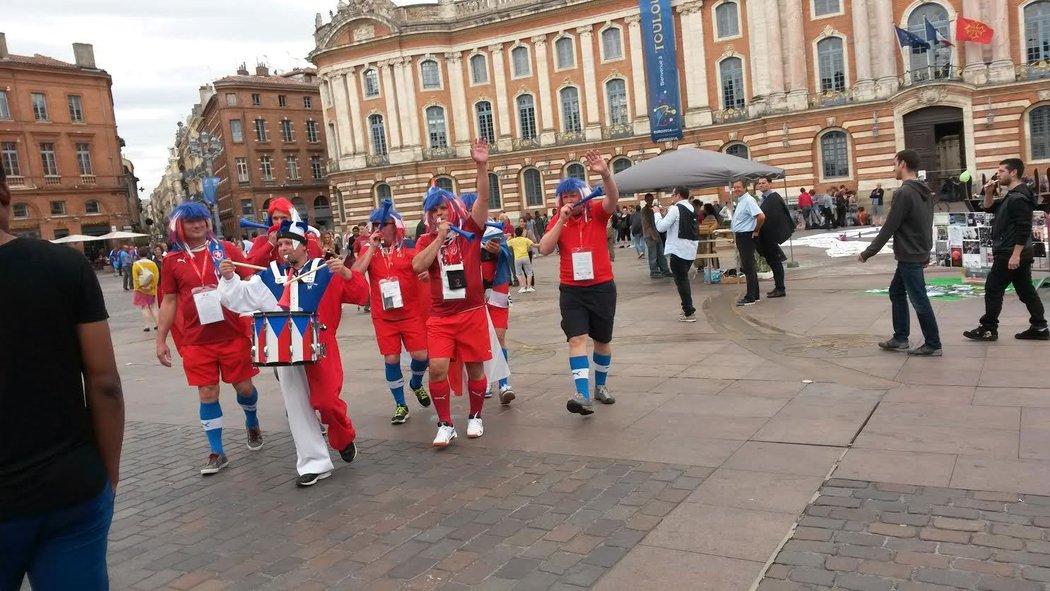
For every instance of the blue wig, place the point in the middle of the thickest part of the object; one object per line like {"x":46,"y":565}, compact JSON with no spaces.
{"x":378,"y":213}
{"x":468,"y":200}
{"x":189,"y":210}
{"x":570,"y":185}
{"x":435,"y":195}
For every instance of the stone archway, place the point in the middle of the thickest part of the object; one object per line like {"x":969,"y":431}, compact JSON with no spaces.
{"x":938,"y":134}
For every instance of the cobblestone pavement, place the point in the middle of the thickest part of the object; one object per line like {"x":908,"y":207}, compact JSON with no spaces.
{"x":400,"y":516}
{"x":866,"y":536}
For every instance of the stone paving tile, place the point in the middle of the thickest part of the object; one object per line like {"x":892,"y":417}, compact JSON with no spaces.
{"x":869,"y":536}
{"x":402,"y":516}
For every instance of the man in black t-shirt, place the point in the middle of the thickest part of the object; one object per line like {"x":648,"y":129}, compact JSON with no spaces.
{"x":61,"y":416}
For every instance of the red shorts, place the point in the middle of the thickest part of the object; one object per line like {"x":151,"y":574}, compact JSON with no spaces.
{"x":231,"y":359}
{"x":390,"y":334}
{"x":500,"y":317}
{"x":463,"y":336}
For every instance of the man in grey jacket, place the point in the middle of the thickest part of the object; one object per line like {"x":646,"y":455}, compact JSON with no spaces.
{"x":654,"y":247}
{"x":910,"y":223}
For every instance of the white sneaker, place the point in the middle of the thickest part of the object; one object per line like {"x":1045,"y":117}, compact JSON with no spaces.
{"x":446,"y":433}
{"x":523,"y":290}
{"x":474,"y":428}
{"x":532,"y":289}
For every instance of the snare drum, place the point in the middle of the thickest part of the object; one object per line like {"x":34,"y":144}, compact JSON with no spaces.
{"x":286,"y":338}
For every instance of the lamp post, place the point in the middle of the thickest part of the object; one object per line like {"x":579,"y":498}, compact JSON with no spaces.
{"x":207,"y":147}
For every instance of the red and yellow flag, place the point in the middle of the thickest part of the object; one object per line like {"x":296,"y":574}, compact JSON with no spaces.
{"x":973,"y":31}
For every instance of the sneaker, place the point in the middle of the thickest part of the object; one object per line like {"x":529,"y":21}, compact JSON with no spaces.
{"x":422,"y":396}
{"x":667,"y":274}
{"x":474,"y":427}
{"x":310,"y":479}
{"x":488,"y":393}
{"x":215,"y":463}
{"x":776,"y":293}
{"x":982,"y":333}
{"x":925,"y":351}
{"x":255,"y":440}
{"x":400,"y":415}
{"x":446,"y":433}
{"x":145,"y":329}
{"x":745,"y":302}
{"x":523,"y":290}
{"x":579,"y":404}
{"x":894,"y":345}
{"x":348,"y":453}
{"x":687,"y":317}
{"x":506,"y":394}
{"x":531,"y":289}
{"x":601,"y":394}
{"x":1034,"y":334}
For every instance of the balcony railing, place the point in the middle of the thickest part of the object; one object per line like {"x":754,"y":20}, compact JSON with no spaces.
{"x":87,"y":179}
{"x":525,"y":143}
{"x":16,"y":181}
{"x":569,"y":137}
{"x":1034,"y":70}
{"x":727,"y":115}
{"x":377,"y":160}
{"x":617,"y":130}
{"x":945,"y":73}
{"x":438,"y":153}
{"x":830,"y":98}
{"x":52,"y":180}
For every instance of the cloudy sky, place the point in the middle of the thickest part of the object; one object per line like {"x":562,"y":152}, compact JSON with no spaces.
{"x":159,"y":52}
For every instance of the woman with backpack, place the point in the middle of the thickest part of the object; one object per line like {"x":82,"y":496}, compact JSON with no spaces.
{"x":144,"y":278}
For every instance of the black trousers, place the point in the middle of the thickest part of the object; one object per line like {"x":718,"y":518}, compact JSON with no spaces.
{"x":680,"y":269}
{"x":995,"y":287}
{"x":774,"y":255}
{"x":745,"y":245}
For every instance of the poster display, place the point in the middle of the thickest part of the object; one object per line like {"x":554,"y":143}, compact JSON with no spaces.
{"x":964,"y":240}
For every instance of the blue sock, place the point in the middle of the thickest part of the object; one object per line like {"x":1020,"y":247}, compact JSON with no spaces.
{"x":419,"y":369}
{"x":601,"y":368}
{"x":503,"y":381}
{"x":580,"y":374}
{"x":211,"y":419}
{"x":250,"y":405}
{"x":396,"y":382}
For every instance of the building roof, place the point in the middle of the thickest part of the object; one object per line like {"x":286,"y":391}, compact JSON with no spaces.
{"x":45,"y":61}
{"x":253,"y":80}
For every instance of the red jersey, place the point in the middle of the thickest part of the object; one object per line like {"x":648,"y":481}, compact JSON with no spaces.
{"x":396,"y":264}
{"x":183,"y":272}
{"x":262,"y":253}
{"x":458,"y":251}
{"x":579,"y":235}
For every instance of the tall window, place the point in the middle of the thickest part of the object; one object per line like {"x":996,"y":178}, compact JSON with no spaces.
{"x":620,"y":165}
{"x":563,"y":52}
{"x":267,"y":168}
{"x":731,"y":72}
{"x":479,"y":72}
{"x":286,"y":130}
{"x":92,"y":207}
{"x":308,"y":102}
{"x":532,"y":183}
{"x":242,"y":170}
{"x":231,"y":99}
{"x":495,"y":199}
{"x":446,"y":183}
{"x":1036,"y":31}
{"x":570,"y":109}
{"x":738,"y":150}
{"x":371,"y":83}
{"x":727,"y":20}
{"x":378,"y":131}
{"x":39,"y":106}
{"x":431,"y":74}
{"x":5,"y":108}
{"x":436,"y":131}
{"x":316,"y":170}
{"x":47,"y":159}
{"x":84,"y":159}
{"x":291,"y":167}
{"x":311,"y":132}
{"x":527,"y":116}
{"x":823,"y":7}
{"x":9,"y":159}
{"x":256,"y":99}
{"x":519,"y":61}
{"x":612,"y":44}
{"x":834,"y":154}
{"x":933,"y":62}
{"x":58,"y":208}
{"x":1039,"y":130}
{"x":282,"y":100}
{"x":236,"y":131}
{"x":76,"y":109}
{"x":575,"y":170}
{"x":832,"y":61}
{"x":247,"y":208}
{"x":20,"y":210}
{"x":260,"y":130}
{"x":616,"y":97}
{"x":382,"y":192}
{"x":485,"y":129}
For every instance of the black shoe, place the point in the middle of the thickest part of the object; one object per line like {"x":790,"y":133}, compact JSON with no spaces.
{"x":745,"y":302}
{"x":310,"y":479}
{"x":348,"y":453}
{"x":894,"y":345}
{"x":925,"y":351}
{"x":776,"y":293}
{"x":1034,"y":334}
{"x":982,"y":333}
{"x":667,"y":274}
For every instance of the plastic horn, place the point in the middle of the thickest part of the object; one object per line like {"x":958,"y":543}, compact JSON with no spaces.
{"x":468,"y":235}
{"x":387,"y":206}
{"x":496,"y":225}
{"x":246,"y":223}
{"x":598,"y":192}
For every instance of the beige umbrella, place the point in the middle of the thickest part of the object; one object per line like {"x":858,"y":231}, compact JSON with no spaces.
{"x":76,"y":238}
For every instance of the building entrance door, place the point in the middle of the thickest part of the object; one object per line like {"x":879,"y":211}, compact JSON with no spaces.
{"x":937,"y":135}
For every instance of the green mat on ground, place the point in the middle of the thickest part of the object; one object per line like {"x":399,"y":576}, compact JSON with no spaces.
{"x":950,"y":289}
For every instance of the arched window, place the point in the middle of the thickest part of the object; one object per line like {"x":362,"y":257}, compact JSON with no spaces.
{"x":527,"y":116}
{"x":483,"y":110}
{"x":575,"y":170}
{"x":935,"y":62}
{"x":621,"y":164}
{"x":495,"y":198}
{"x":1039,"y":130}
{"x":731,"y":73}
{"x":382,"y":192}
{"x":563,"y":52}
{"x":519,"y":62}
{"x":446,"y":183}
{"x":371,"y":83}
{"x":532,"y":184}
{"x":832,"y":65}
{"x":570,"y":109}
{"x":431,"y":74}
{"x":1037,"y":31}
{"x":20,"y":210}
{"x":727,"y":20}
{"x":479,"y":71}
{"x":92,"y":207}
{"x":834,"y":155}
{"x":378,"y":131}
{"x":612,"y":44}
{"x":320,"y":202}
{"x":616,"y":97}
{"x":436,"y":132}
{"x":738,"y":150}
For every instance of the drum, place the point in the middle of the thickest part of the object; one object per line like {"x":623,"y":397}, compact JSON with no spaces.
{"x":285,"y":338}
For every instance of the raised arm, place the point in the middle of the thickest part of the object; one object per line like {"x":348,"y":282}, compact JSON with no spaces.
{"x":550,"y":239}
{"x":598,"y":165}
{"x":425,"y":258}
{"x":479,"y":151}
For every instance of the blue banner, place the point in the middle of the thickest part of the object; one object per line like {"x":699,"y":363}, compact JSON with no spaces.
{"x":210,"y":186}
{"x":661,"y":68}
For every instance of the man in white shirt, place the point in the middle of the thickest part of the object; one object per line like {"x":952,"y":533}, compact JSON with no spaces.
{"x":747,"y":221}
{"x":683,"y":233}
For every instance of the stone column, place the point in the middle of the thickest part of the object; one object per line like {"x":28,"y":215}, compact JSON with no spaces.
{"x":774,"y":33}
{"x":393,"y":116}
{"x":758,"y":48}
{"x":1002,"y":68}
{"x":361,"y":145}
{"x":504,"y":128}
{"x":344,"y":136}
{"x":641,"y":94}
{"x":698,"y":108}
{"x":410,"y":127}
{"x":976,"y":71}
{"x":593,"y":120}
{"x":797,"y":84}
{"x":460,"y":115}
{"x":887,"y":50}
{"x":539,"y":45}
{"x":863,"y":84}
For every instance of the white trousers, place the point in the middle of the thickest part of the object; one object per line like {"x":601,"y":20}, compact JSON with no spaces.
{"x":311,"y":449}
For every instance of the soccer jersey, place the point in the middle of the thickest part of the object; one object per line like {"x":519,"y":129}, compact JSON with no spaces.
{"x":579,"y":235}
{"x":458,"y":251}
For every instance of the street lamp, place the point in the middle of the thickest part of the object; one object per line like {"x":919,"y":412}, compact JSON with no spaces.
{"x":207,"y":147}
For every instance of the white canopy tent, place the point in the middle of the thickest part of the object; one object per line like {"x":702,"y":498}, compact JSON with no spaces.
{"x":76,"y":238}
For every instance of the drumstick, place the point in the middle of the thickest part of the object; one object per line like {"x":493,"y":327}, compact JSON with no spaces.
{"x":247,"y":266}
{"x":306,"y":274}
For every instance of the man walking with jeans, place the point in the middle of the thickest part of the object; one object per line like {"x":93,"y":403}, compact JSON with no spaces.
{"x":683,"y":234}
{"x":1012,"y":255}
{"x":747,"y":221}
{"x":910,"y":223}
{"x":653,"y":245}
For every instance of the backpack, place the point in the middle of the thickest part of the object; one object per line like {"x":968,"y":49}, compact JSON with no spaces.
{"x":145,"y":276}
{"x":688,"y":225}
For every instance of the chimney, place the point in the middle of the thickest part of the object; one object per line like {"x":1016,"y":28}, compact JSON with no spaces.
{"x":242,"y":70}
{"x":84,"y":53}
{"x":262,"y":70}
{"x":3,"y":47}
